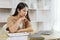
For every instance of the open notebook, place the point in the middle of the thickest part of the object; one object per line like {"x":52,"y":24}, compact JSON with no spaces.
{"x":41,"y":33}
{"x":18,"y":34}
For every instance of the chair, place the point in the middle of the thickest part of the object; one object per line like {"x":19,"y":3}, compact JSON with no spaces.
{"x":4,"y":28}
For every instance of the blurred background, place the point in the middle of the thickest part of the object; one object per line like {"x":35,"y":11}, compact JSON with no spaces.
{"x":44,"y":15}
{"x":40,"y":11}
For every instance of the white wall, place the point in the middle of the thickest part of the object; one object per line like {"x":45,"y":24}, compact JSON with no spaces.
{"x":57,"y":15}
{"x":4,"y":14}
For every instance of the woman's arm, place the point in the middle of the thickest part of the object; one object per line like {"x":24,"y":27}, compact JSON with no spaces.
{"x":13,"y":25}
{"x":28,"y":29}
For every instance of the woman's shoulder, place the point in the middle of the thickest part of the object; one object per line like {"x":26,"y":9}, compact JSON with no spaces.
{"x":10,"y":18}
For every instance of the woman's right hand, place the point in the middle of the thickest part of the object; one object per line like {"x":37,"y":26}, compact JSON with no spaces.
{"x":22,"y":18}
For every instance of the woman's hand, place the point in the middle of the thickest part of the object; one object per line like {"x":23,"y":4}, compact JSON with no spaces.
{"x":22,"y":18}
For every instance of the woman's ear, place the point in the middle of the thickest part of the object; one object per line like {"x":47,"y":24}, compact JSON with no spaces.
{"x":18,"y":10}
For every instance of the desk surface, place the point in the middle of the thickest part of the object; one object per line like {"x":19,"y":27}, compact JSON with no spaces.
{"x":54,"y":35}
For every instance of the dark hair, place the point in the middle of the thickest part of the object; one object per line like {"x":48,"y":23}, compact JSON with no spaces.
{"x":20,"y":6}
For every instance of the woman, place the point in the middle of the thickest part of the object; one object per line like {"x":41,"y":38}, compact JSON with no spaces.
{"x":20,"y":21}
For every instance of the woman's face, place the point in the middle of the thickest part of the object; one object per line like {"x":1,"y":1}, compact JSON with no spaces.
{"x":23,"y":12}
